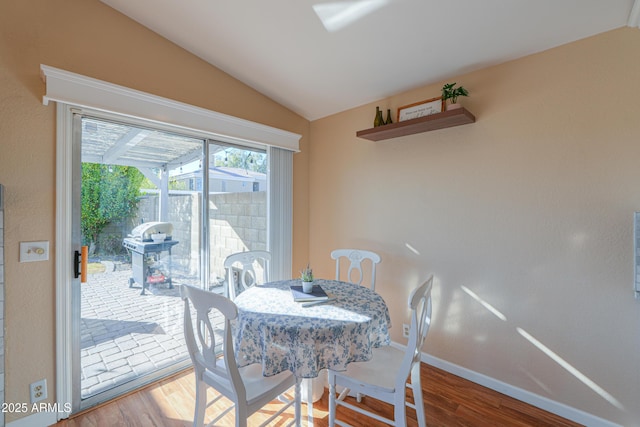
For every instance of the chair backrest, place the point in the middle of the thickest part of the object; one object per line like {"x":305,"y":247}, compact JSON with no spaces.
{"x":201,"y":342}
{"x":247,"y":277}
{"x":355,"y":257}
{"x":420,"y":305}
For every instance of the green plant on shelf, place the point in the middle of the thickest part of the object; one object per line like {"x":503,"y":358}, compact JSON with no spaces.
{"x":450,"y":92}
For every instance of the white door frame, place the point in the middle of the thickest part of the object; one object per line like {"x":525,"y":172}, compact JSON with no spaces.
{"x":64,"y":267}
{"x":73,"y":91}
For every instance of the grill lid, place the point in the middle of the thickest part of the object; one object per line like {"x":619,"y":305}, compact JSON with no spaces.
{"x":144,"y":231}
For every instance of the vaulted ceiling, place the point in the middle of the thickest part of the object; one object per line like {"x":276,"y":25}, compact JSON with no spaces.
{"x":321,"y":57}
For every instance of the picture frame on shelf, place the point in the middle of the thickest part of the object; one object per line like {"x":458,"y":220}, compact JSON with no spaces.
{"x":420,"y":109}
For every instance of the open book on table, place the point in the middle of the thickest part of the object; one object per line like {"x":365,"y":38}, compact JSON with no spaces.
{"x":316,"y":294}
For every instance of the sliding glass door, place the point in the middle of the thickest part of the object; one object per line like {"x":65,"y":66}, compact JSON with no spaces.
{"x":237,"y":214}
{"x":156,"y":208}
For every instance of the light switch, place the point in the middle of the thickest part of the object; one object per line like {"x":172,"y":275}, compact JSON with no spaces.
{"x":34,"y":251}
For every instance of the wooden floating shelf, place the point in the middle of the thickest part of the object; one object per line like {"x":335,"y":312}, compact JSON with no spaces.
{"x":446,"y":119}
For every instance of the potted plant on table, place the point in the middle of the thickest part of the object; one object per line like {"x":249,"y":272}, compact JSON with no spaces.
{"x":306,"y":276}
{"x":451,"y":93}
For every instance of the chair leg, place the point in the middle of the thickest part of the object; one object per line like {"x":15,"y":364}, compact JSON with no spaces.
{"x":417,"y":395}
{"x":201,"y":403}
{"x":298,"y":403}
{"x":400,"y":408}
{"x":332,"y":399}
{"x":241,"y":415}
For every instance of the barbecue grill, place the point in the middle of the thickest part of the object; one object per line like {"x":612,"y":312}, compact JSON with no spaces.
{"x":147,"y":243}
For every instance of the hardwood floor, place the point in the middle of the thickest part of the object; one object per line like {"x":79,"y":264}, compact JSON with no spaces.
{"x":449,"y":401}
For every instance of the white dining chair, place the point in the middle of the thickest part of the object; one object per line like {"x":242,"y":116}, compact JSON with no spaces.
{"x":249,"y":262}
{"x":355,"y":258}
{"x":384,"y":377}
{"x":245,"y":387}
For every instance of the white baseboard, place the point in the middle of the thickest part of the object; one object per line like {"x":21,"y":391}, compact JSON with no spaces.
{"x":37,"y":419}
{"x":522,"y":395}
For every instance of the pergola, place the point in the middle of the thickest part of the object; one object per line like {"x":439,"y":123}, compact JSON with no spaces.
{"x":154,"y":152}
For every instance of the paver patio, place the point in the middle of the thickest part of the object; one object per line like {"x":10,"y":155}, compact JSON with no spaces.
{"x":125,"y":335}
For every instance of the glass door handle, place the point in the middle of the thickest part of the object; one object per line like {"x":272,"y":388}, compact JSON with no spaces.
{"x":76,"y":264}
{"x":80,"y":260}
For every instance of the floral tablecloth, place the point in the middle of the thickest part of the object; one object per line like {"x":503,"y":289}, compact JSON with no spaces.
{"x":273,"y":330}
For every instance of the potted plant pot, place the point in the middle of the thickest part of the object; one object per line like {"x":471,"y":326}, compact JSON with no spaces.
{"x":450,"y":95}
{"x":306,"y":276}
{"x":307,"y":287}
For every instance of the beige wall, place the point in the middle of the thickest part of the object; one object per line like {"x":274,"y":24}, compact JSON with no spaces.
{"x":530,"y":208}
{"x":89,"y":38}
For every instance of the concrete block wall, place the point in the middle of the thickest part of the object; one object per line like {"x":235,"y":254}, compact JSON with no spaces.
{"x":238,"y":222}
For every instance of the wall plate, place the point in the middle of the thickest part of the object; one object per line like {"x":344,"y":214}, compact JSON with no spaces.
{"x":34,"y":251}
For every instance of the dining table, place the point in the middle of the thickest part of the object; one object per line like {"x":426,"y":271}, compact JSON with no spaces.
{"x":281,"y":334}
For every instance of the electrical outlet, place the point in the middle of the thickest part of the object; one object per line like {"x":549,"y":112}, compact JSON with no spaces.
{"x":405,"y":330}
{"x":38,"y":390}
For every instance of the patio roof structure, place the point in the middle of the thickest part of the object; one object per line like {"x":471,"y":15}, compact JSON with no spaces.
{"x":154,"y":152}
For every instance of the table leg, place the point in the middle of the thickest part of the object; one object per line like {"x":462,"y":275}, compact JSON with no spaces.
{"x":309,"y":401}
{"x":312,"y":390}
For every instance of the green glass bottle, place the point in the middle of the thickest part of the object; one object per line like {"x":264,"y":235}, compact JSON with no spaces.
{"x":378,"y":121}
{"x":388,"y":120}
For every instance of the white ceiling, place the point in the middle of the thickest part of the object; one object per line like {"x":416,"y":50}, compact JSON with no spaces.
{"x":321,"y":57}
